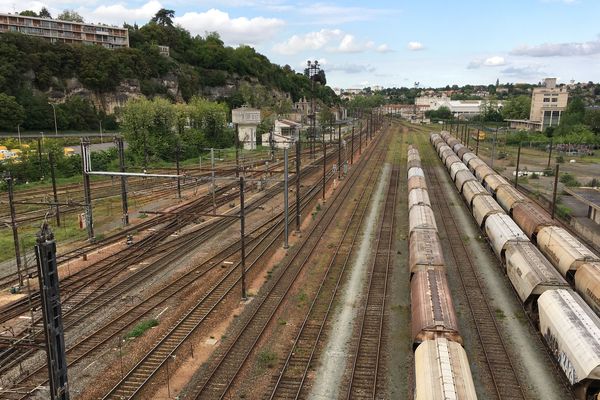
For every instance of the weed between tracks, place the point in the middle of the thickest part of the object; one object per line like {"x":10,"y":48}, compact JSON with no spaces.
{"x":141,"y":328}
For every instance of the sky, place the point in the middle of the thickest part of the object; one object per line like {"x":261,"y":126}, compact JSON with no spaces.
{"x":386,"y":43}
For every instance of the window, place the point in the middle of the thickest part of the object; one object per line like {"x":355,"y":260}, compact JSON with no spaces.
{"x":546,"y":100}
{"x":555,"y":99}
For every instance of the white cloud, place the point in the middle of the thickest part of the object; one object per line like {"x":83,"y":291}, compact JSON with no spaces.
{"x":350,"y":68}
{"x":119,"y":13}
{"x":331,"y":40}
{"x":559,"y":49}
{"x":309,"y":41}
{"x":415,"y":46}
{"x":524,"y":71}
{"x":323,"y":13}
{"x":240,"y":30}
{"x":495,"y":61}
{"x":383,"y":48}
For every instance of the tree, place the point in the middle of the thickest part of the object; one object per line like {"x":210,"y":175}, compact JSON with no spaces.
{"x":11,"y":112}
{"x":29,"y":13}
{"x":44,"y":13}
{"x":164,"y":17}
{"x":441,"y":113}
{"x":70,"y":15}
{"x":592,"y":119}
{"x":517,"y":108}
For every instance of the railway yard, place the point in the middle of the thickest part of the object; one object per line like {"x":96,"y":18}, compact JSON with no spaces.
{"x":415,"y":272}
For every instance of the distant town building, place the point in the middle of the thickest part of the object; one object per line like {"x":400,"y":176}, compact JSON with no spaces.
{"x":459,"y":108}
{"x":247,"y":120}
{"x":65,"y":31}
{"x":285,"y":133}
{"x":547,"y":105}
{"x":164,"y":51}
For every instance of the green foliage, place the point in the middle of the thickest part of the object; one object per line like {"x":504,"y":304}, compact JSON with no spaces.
{"x":569,"y":180}
{"x":360,"y":104}
{"x":11,"y":112}
{"x":70,"y":15}
{"x":164,"y":17}
{"x":441,"y":113}
{"x":29,"y":13}
{"x":154,"y":128}
{"x":517,"y":108}
{"x":141,"y":328}
{"x":266,"y":359}
{"x":563,"y":211}
{"x":592,"y":120}
{"x":44,"y":13}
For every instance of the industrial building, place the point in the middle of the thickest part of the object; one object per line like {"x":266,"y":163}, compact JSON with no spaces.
{"x":57,"y":31}
{"x":547,"y":105}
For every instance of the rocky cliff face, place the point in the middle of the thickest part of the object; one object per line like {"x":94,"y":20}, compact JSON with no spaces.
{"x":109,"y":102}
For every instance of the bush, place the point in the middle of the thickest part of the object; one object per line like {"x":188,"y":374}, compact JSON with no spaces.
{"x":267,"y":359}
{"x":534,"y":176}
{"x":140,"y":328}
{"x":548,"y":172}
{"x":593,"y":183}
{"x":569,"y":180}
{"x":560,"y":159}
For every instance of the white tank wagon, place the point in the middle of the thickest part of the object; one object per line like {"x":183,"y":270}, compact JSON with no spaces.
{"x":415,"y":172}
{"x":442,"y":372}
{"x":443,"y":148}
{"x":462,"y":152}
{"x":482,"y":171}
{"x":564,"y":250}
{"x":531,"y":274}
{"x":445,"y":135}
{"x":440,"y":145}
{"x":502,"y":230}
{"x":475,"y":163}
{"x":484,"y":206}
{"x":471,"y":190}
{"x":413,"y":161}
{"x":572,"y":332}
{"x":417,"y":182}
{"x":508,"y":197}
{"x":421,"y":217}
{"x":418,"y":197}
{"x":446,"y":153}
{"x":493,"y":182}
{"x":434,"y":137}
{"x":457,"y":166}
{"x":467,"y":157}
{"x":457,"y":147}
{"x":461,"y":177}
{"x":452,"y":159}
{"x":587,"y":284}
{"x":425,"y":251}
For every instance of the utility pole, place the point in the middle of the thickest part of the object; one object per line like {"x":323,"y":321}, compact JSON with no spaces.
{"x":298,"y":160}
{"x":45,"y":251}
{"x":212,"y":174}
{"x":517,"y":169}
{"x":237,"y":152}
{"x":494,"y":147}
{"x":121,"y":150}
{"x":55,"y":195}
{"x":352,"y":147}
{"x":550,"y":153}
{"x":339,"y":152}
{"x":242,"y":239}
{"x":324,"y":165}
{"x":477,"y":145}
{"x":87,"y":191}
{"x":177,"y":151}
{"x":554,"y":191}
{"x":285,"y":199}
{"x":39,"y":145}
{"x":13,"y":223}
{"x":360,"y":128}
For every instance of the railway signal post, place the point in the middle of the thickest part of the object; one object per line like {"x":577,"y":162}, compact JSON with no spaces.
{"x":13,"y":223}
{"x":45,"y":251}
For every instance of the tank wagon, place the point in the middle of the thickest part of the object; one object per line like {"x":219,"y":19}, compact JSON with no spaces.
{"x":441,"y":366}
{"x":543,"y":276}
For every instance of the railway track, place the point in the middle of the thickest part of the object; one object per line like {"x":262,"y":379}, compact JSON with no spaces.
{"x":366,"y":381}
{"x":293,"y":374}
{"x":93,"y":341}
{"x":232,"y":354}
{"x":119,"y":324}
{"x":500,"y":367}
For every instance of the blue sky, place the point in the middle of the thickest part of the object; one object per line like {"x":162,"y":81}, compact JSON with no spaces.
{"x":388,"y":43}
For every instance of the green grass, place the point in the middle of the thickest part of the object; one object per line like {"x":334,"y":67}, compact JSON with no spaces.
{"x":266,"y":359}
{"x":141,"y":328}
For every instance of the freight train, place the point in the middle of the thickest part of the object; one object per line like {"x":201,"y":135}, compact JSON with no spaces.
{"x":442,"y":368}
{"x":542,"y":261}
